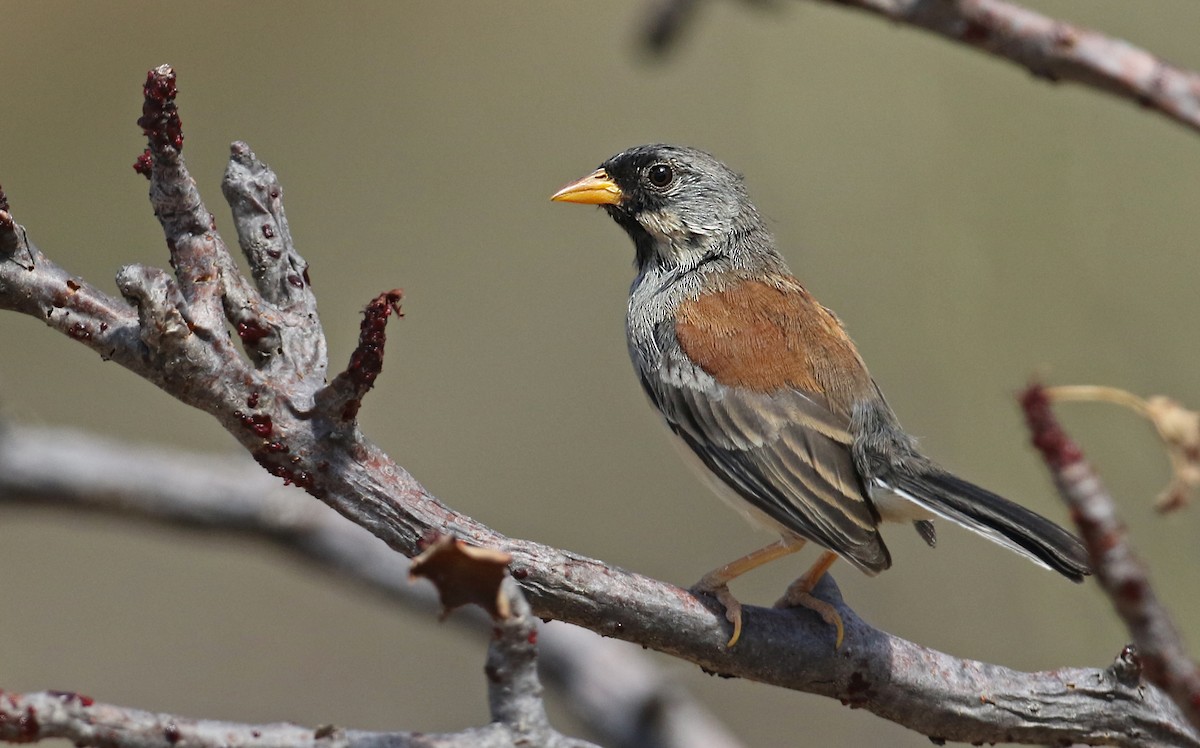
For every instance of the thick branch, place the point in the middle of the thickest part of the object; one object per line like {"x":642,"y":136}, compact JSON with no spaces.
{"x":1047,"y":47}
{"x":282,"y":417}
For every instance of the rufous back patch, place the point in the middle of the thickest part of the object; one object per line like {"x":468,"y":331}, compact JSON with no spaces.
{"x":769,"y":336}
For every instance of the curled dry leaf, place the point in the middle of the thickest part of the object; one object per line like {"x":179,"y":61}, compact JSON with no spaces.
{"x":1178,"y":427}
{"x":464,"y":574}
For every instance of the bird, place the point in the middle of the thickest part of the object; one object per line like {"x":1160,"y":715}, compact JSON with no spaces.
{"x":767,"y":392}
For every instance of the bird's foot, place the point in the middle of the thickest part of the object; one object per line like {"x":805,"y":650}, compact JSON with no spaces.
{"x":733,"y":608}
{"x":828,"y":613}
{"x":799,"y":593}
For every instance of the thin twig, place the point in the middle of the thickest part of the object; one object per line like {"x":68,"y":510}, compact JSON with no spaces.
{"x":1120,"y":572}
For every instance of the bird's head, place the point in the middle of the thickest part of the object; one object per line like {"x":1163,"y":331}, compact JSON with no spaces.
{"x":680,"y":205}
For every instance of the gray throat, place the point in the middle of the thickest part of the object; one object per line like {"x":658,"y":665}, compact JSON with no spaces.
{"x":660,"y":288}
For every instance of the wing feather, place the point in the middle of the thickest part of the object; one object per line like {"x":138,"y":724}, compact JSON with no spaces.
{"x":777,"y":452}
{"x":760,"y":380}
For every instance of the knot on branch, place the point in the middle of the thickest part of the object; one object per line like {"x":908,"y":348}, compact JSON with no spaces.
{"x":1127,"y":667}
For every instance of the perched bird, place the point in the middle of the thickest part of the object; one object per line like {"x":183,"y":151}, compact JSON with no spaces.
{"x":764,"y":386}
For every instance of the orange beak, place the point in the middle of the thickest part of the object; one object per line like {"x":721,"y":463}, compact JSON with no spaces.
{"x":596,"y":188}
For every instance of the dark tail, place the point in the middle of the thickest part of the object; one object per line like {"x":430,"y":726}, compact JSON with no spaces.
{"x":996,"y":518}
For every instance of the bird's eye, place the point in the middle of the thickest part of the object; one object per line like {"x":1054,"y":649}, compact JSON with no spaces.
{"x":660,"y":175}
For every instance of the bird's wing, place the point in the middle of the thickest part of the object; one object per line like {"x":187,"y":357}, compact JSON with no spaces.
{"x":773,"y":430}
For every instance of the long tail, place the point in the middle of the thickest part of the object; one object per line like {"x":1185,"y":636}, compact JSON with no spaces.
{"x":996,"y":518}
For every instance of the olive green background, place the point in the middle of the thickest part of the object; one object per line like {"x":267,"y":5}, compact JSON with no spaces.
{"x":972,"y":225}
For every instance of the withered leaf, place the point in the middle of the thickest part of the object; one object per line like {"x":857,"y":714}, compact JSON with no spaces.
{"x":464,"y":574}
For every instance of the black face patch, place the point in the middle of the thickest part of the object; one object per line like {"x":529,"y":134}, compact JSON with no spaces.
{"x":629,"y":171}
{"x":653,"y":180}
{"x":643,"y":242}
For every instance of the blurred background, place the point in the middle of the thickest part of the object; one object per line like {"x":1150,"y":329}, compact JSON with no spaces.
{"x":973,"y":227}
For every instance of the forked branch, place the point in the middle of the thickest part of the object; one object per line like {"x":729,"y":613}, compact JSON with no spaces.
{"x":272,"y":397}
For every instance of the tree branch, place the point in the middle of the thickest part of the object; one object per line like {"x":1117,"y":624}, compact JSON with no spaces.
{"x":1120,"y":572}
{"x":1048,"y":48}
{"x":277,"y":406}
{"x":514,"y":689}
{"x":32,"y":717}
{"x":611,"y":687}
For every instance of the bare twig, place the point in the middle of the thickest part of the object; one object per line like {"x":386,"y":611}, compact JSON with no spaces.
{"x":1051,"y":49}
{"x":278,"y":407}
{"x":514,"y":690}
{"x":464,"y":574}
{"x":1123,"y":576}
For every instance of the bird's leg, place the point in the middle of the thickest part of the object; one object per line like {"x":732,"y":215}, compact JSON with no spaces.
{"x":799,"y":593}
{"x":717,"y":581}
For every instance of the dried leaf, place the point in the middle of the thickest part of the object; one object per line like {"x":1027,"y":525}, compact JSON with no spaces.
{"x":464,"y":574}
{"x":1178,"y":427}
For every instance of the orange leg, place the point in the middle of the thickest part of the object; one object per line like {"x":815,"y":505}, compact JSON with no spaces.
{"x":799,"y":593}
{"x":717,"y":581}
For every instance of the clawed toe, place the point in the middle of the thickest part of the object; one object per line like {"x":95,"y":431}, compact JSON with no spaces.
{"x":799,"y":593}
{"x":733,"y":608}
{"x":804,"y":599}
{"x":716,"y":582}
